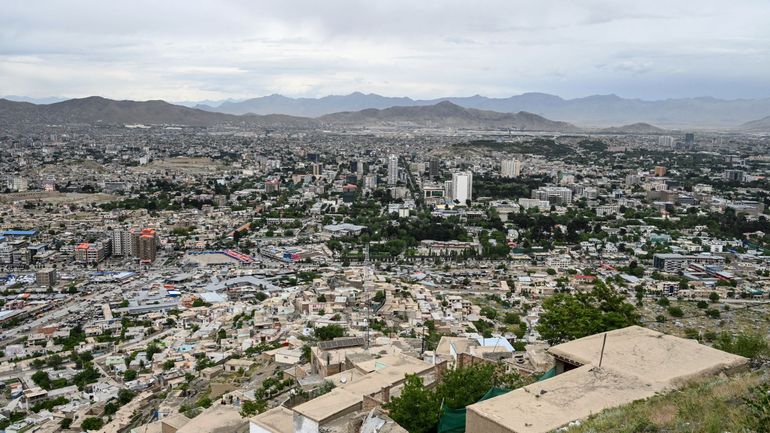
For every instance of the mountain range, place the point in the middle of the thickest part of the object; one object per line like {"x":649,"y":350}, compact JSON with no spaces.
{"x":97,"y":110}
{"x":444,"y":114}
{"x":591,"y":111}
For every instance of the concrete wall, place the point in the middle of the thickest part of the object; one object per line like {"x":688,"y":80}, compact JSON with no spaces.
{"x":254,"y":428}
{"x":304,"y":425}
{"x":474,"y":423}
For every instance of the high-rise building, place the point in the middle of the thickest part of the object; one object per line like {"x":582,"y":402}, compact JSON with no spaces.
{"x":392,"y":169}
{"x":148,"y":245}
{"x":123,"y":243}
{"x":660,"y":171}
{"x":689,"y":139}
{"x":665,"y":141}
{"x":510,"y":168}
{"x":433,"y":169}
{"x":462,"y":186}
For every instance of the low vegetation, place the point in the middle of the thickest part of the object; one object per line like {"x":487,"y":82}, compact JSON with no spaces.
{"x":739,"y":404}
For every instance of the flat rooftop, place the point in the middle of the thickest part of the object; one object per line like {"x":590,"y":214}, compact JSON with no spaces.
{"x":648,"y":354}
{"x":638,"y":363}
{"x":276,"y":420}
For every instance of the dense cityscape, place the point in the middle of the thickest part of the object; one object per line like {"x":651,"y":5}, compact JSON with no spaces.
{"x":499,"y":216}
{"x":157,"y":275}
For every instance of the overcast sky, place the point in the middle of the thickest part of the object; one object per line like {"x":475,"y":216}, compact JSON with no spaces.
{"x":194,"y":50}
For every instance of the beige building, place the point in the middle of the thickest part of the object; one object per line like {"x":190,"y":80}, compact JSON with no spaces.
{"x":637,"y":363}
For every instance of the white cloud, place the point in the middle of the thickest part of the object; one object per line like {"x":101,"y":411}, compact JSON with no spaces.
{"x":181,"y":50}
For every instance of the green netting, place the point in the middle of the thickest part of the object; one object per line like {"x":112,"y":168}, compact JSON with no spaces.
{"x":453,"y":420}
{"x":548,"y":374}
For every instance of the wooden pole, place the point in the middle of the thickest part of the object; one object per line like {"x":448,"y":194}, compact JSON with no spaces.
{"x":601,"y":356}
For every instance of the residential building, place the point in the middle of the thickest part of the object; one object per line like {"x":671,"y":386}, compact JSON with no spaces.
{"x":510,"y":168}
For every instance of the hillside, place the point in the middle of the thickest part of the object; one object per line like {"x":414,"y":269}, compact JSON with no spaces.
{"x":603,"y":110}
{"x":759,"y":125}
{"x":446,"y":115}
{"x":98,"y":110}
{"x":710,"y":405}
{"x":634,"y":128}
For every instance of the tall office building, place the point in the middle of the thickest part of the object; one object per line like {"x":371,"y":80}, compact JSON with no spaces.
{"x":392,"y":169}
{"x":462,"y":186}
{"x":665,"y":141}
{"x":689,"y":139}
{"x":660,"y":171}
{"x":510,"y":168}
{"x":433,"y":168}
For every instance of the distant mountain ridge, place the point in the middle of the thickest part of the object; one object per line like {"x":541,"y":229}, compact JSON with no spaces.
{"x":97,"y":110}
{"x":594,"y":111}
{"x":446,"y":115}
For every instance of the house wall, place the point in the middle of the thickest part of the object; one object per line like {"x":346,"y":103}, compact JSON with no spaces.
{"x":254,"y":428}
{"x":304,"y":425}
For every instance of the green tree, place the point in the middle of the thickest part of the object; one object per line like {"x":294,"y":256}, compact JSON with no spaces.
{"x":465,"y":385}
{"x":41,"y":379}
{"x":488,"y":312}
{"x":570,"y":316}
{"x":110,"y":408}
{"x":379,"y":297}
{"x":129,"y":375}
{"x":675,"y":312}
{"x":416,"y":409}
{"x":511,"y":319}
{"x":125,"y":396}
{"x":713,"y":297}
{"x":748,"y":345}
{"x":329,"y":332}
{"x":251,"y":408}
{"x":92,"y":423}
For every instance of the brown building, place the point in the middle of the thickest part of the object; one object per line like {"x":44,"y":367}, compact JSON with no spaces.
{"x":147,"y":245}
{"x":46,"y":277}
